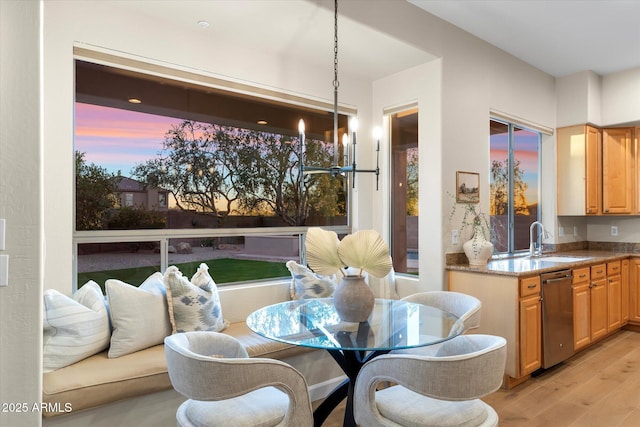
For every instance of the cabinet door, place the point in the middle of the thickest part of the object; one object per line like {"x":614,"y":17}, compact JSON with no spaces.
{"x":599,"y":320}
{"x":617,"y":171}
{"x":593,"y":170}
{"x":530,"y":334}
{"x":634,"y":291}
{"x":624,"y":291}
{"x":581,"y":315}
{"x":636,"y":162}
{"x":614,"y":303}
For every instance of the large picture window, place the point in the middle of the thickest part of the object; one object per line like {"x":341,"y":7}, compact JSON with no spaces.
{"x":514,"y":198}
{"x":166,"y":162}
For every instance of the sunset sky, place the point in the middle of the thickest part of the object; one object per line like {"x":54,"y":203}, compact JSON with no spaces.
{"x":119,"y":139}
{"x":526,"y":151}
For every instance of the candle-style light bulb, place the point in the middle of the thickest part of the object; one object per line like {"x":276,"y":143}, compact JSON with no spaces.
{"x":301,"y":134}
{"x":345,"y":147}
{"x":353,"y":124}
{"x":377,"y":133}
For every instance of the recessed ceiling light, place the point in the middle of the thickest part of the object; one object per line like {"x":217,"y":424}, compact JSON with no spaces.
{"x":262,"y":122}
{"x":135,"y":101}
{"x":203,"y":24}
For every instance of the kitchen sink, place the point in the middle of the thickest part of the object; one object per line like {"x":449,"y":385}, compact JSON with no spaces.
{"x":564,"y":258}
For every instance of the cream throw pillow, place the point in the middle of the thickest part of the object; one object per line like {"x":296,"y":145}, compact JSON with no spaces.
{"x":193,"y":305}
{"x":139,"y":315}
{"x":75,"y":327}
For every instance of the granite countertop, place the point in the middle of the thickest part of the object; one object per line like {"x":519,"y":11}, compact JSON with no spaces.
{"x":526,"y":266}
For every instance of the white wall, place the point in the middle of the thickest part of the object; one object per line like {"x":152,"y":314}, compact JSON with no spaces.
{"x":621,"y":97}
{"x":421,"y":84}
{"x":104,"y":26}
{"x":21,"y":206}
{"x":473,"y":78}
{"x":578,"y":98}
{"x":455,"y":94}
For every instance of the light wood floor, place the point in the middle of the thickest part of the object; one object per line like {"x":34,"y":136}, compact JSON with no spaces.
{"x":597,"y":387}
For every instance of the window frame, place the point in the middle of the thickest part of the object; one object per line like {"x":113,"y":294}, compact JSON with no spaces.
{"x":540,"y":131}
{"x":162,"y":236}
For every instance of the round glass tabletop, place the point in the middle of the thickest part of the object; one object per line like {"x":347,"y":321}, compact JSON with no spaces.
{"x":393,"y":325}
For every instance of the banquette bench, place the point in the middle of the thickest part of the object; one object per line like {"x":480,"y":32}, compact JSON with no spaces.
{"x":99,"y":380}
{"x":134,"y":389}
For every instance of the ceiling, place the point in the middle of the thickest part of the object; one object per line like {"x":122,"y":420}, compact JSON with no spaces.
{"x":301,"y":29}
{"x":559,"y":37}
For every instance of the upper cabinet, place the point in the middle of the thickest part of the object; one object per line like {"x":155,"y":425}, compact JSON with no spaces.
{"x":579,"y":170}
{"x":636,"y":172}
{"x":617,"y":171}
{"x":596,"y":171}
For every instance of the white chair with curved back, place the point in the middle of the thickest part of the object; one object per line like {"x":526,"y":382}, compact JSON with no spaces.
{"x":439,"y":389}
{"x":465,"y":307}
{"x":227,"y":388}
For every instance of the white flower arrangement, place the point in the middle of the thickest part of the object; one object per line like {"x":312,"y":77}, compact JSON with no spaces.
{"x":364,"y":250}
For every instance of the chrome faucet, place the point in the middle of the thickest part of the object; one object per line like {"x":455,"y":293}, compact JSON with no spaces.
{"x":532,"y":245}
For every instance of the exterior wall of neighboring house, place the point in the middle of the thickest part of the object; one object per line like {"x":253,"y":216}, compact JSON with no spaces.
{"x":134,"y":194}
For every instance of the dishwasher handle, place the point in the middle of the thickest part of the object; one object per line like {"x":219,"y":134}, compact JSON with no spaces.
{"x":559,"y":279}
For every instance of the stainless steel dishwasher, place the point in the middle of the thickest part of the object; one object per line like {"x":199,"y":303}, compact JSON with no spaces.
{"x":557,"y":317}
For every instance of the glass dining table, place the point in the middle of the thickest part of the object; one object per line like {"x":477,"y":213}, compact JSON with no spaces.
{"x":392,"y":325}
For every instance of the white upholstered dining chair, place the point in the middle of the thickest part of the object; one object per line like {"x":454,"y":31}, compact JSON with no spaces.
{"x":225,"y":387}
{"x":465,"y":307}
{"x":440,"y":389}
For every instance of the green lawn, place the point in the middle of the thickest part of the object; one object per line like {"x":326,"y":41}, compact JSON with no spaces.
{"x":223,"y":270}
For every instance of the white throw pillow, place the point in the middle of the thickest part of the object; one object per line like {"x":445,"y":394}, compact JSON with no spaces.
{"x":139,"y":315}
{"x":195,"y":305}
{"x":307,"y":284}
{"x":75,"y":327}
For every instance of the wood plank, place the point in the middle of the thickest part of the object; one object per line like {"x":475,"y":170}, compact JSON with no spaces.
{"x":599,"y":386}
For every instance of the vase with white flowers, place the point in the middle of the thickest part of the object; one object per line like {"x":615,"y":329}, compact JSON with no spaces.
{"x":479,"y":248}
{"x":364,"y":252}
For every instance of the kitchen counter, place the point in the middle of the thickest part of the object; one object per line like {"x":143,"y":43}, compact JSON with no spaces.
{"x":527,"y":266}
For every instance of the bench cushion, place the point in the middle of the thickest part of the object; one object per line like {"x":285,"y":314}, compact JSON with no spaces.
{"x":99,"y":380}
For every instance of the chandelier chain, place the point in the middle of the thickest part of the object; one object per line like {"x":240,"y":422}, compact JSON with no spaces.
{"x":336,"y":83}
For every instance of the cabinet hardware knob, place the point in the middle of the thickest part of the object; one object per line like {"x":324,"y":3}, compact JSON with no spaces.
{"x":532,"y":286}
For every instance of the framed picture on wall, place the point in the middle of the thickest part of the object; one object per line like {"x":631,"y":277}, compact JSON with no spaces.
{"x":467,"y":187}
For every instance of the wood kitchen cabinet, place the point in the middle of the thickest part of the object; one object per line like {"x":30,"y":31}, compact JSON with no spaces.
{"x":617,"y":171}
{"x":530,"y":326}
{"x":614,"y":295}
{"x":596,"y":171}
{"x":581,"y":307}
{"x":624,"y":291}
{"x":511,"y":308}
{"x":579,"y":173}
{"x":634,"y":291}
{"x":599,"y":319}
{"x":636,"y":163}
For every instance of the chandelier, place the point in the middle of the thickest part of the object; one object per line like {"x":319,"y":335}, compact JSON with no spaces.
{"x":349,"y":166}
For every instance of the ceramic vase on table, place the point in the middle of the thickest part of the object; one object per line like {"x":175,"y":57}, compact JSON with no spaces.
{"x":478,"y":250}
{"x":353,"y":299}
